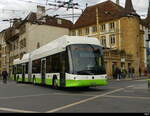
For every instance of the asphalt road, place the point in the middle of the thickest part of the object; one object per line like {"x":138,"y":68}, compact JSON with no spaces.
{"x":117,"y":97}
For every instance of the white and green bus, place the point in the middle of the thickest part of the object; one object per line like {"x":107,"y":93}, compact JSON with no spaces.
{"x":69,"y":61}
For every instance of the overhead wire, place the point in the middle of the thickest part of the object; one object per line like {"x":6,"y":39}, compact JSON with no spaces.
{"x":62,"y":15}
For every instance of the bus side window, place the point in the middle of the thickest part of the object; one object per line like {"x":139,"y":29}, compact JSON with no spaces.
{"x":66,"y":62}
{"x":56,"y":63}
{"x":49,"y":64}
{"x":36,"y":66}
{"x":62,"y":62}
{"x":13,"y":71}
{"x":26,"y":70}
{"x":19,"y":69}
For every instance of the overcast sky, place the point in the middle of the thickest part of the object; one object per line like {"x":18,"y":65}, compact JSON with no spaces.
{"x":23,"y":7}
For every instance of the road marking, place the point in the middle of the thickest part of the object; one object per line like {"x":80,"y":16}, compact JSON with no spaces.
{"x":14,"y":97}
{"x":85,"y":100}
{"x":23,"y":96}
{"x":88,"y":95}
{"x":130,"y":97}
{"x":16,"y":110}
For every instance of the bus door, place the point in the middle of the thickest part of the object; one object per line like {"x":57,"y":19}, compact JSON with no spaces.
{"x":43,"y":70}
{"x":23,"y":72}
{"x":62,"y":70}
{"x":15,"y":71}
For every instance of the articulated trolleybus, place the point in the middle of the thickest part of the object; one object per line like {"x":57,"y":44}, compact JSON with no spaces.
{"x":70,"y":61}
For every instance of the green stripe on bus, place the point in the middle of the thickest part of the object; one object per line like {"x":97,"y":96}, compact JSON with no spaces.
{"x":72,"y":83}
{"x":83,"y":83}
{"x":49,"y":82}
{"x":38,"y":80}
{"x":26,"y":80}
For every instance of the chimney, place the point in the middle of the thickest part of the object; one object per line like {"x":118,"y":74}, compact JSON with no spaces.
{"x":129,"y":6}
{"x":117,"y":2}
{"x":40,"y":11}
{"x":148,"y":14}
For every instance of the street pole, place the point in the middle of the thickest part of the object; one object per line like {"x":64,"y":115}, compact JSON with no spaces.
{"x":73,"y":13}
{"x":97,"y":22}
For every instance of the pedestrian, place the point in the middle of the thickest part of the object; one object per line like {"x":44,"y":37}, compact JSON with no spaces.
{"x":4,"y":75}
{"x":140,"y":71}
{"x":132,"y":72}
{"x":123,"y":73}
{"x":129,"y":72}
{"x":118,"y":73}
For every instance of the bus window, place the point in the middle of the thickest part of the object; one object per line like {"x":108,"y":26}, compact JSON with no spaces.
{"x":87,"y":59}
{"x":48,"y":64}
{"x":19,"y":69}
{"x":56,"y":63}
{"x":36,"y":66}
{"x":62,"y":62}
{"x":26,"y":70}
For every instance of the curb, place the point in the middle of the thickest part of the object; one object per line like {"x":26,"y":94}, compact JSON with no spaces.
{"x":127,"y":79}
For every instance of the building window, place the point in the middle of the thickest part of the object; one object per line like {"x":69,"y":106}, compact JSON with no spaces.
{"x":59,"y":21}
{"x":14,"y":47}
{"x":23,"y":43}
{"x":73,"y":33}
{"x":94,"y":29}
{"x":11,"y":47}
{"x":112,"y":26}
{"x":149,"y":37}
{"x":38,"y":45}
{"x":112,"y":39}
{"x":103,"y":27}
{"x":22,"y":29}
{"x":103,"y":40}
{"x":87,"y":30}
{"x":80,"y":31}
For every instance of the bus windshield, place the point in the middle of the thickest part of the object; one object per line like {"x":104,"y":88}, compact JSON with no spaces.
{"x":87,"y":59}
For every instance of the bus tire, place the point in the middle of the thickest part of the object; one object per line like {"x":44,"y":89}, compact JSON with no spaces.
{"x":55,"y":82}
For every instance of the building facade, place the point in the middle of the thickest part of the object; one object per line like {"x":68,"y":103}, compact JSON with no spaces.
{"x":121,"y":31}
{"x":118,"y":30}
{"x":33,"y":32}
{"x":3,"y":53}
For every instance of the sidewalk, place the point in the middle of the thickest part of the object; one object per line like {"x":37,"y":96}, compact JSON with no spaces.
{"x":129,"y":79}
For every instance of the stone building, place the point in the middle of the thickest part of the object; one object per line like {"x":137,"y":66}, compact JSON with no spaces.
{"x":146,"y":28}
{"x":3,"y":52}
{"x":34,"y":31}
{"x":118,"y":30}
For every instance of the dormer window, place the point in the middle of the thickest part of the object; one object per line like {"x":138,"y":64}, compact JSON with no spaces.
{"x":59,"y":21}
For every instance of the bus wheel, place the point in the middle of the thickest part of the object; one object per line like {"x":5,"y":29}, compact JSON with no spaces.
{"x":55,"y":83}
